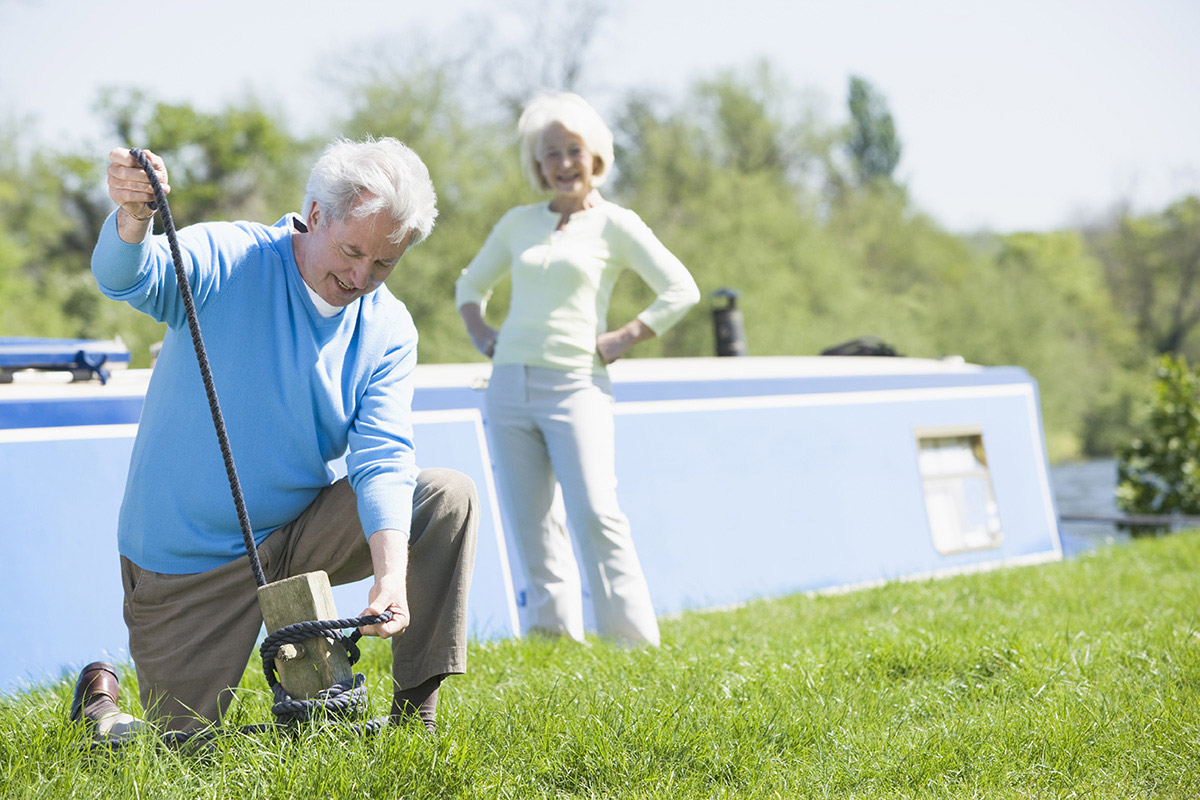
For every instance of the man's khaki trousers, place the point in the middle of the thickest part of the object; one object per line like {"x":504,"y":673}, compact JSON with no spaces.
{"x":191,"y":636}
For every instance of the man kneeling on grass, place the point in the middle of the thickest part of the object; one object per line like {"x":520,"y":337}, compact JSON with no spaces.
{"x":313,"y":358}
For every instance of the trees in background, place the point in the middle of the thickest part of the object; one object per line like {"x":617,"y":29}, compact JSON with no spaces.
{"x":1152,"y":263}
{"x":1039,"y":301}
{"x":873,"y":144}
{"x":755,"y":200}
{"x":234,"y":163}
{"x":22,"y":304}
{"x":717,"y":178}
{"x":741,"y":176}
{"x":473,"y":163}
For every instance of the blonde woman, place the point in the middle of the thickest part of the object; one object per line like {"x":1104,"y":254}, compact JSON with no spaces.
{"x":549,"y":400}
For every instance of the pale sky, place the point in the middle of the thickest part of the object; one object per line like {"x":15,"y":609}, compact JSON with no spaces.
{"x":1013,"y":114}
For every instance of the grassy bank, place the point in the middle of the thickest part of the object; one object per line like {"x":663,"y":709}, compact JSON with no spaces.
{"x":1079,"y":678}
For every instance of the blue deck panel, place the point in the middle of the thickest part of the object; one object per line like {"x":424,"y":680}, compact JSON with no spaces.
{"x":62,"y":551}
{"x":458,"y":443}
{"x":763,"y":522}
{"x":69,"y":412}
{"x":60,"y":578}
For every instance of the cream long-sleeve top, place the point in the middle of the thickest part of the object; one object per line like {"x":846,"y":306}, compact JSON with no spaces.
{"x":562,"y":281}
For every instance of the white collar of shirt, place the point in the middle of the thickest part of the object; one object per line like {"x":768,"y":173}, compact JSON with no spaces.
{"x":324,"y":309}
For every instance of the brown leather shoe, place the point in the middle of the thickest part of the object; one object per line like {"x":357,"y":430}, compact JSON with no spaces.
{"x":96,"y":692}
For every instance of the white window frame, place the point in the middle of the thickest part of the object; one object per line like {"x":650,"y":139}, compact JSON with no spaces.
{"x":949,"y":508}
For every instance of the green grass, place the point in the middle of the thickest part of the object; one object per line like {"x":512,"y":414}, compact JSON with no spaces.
{"x":1072,"y":679}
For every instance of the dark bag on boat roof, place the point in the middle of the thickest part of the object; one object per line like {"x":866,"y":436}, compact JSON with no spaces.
{"x":864,"y":346}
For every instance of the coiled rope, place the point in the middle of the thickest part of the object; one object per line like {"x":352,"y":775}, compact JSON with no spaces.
{"x":345,"y":700}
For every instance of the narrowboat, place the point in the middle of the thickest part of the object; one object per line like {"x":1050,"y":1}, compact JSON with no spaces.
{"x":742,"y":478}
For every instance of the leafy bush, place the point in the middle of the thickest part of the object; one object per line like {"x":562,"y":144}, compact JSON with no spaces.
{"x":1159,"y":471}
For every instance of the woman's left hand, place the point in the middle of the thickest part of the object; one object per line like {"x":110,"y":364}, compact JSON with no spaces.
{"x":611,"y":345}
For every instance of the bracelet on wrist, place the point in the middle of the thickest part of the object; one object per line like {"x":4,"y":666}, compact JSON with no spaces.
{"x":140,"y":219}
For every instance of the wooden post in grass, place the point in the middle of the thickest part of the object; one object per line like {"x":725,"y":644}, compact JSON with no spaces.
{"x":314,"y":664}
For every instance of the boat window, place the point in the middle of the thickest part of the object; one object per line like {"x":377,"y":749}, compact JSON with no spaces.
{"x":960,"y":503}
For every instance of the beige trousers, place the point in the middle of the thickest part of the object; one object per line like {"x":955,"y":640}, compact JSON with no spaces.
{"x":191,"y":636}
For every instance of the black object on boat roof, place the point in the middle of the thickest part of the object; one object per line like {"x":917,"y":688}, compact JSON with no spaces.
{"x":85,"y":359}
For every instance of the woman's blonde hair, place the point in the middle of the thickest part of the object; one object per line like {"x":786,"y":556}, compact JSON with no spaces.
{"x":577,"y":116}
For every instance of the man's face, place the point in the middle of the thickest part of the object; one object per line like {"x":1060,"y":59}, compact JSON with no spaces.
{"x":349,"y":258}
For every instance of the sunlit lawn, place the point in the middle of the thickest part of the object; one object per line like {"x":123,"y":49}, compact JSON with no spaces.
{"x":1079,"y":678}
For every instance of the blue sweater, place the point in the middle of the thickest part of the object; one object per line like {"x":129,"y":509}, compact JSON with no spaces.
{"x":297,"y":392}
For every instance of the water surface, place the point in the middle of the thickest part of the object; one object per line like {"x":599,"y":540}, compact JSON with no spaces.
{"x":1086,"y":487}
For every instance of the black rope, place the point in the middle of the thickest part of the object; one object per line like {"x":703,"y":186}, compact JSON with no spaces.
{"x":345,"y":700}
{"x":185,"y":290}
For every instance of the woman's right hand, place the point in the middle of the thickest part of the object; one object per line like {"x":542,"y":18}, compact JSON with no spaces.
{"x":483,"y":336}
{"x":484,"y":339}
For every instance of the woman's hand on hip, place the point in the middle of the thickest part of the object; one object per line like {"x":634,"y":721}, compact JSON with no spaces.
{"x":611,"y":345}
{"x":484,"y":340}
{"x":483,"y":336}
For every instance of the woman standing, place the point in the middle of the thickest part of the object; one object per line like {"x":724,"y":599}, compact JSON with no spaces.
{"x":549,"y":400}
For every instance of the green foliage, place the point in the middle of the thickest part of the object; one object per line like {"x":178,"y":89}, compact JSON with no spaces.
{"x":873,"y":146}
{"x":813,"y":272}
{"x":1039,"y":301}
{"x":740,"y":176}
{"x":477,"y":175}
{"x":1153,"y":267}
{"x":743,"y":134}
{"x":237,"y":163}
{"x":724,"y":184}
{"x":1159,"y":471}
{"x":42,"y":211}
{"x":1072,"y":679}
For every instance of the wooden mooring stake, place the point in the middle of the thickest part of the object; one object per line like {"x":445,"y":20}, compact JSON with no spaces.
{"x":314,"y":664}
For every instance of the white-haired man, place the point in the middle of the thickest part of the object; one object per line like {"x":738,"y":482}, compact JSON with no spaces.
{"x":312,"y":358}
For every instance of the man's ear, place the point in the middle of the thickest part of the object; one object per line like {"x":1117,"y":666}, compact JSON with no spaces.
{"x":314,"y":217}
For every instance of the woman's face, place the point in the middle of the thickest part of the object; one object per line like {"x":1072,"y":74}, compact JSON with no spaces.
{"x":567,"y":166}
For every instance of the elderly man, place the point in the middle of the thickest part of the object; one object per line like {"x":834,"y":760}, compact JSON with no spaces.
{"x":312,"y":358}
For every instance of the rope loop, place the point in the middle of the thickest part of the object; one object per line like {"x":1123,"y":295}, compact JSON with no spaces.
{"x":346,"y":699}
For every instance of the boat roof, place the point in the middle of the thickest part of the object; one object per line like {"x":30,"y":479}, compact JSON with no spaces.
{"x":649,"y":370}
{"x":79,"y":358}
{"x":636,"y":370}
{"x":26,"y":352}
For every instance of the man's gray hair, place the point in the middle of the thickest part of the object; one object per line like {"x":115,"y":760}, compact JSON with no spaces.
{"x":577,"y":116}
{"x":385,"y":175}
